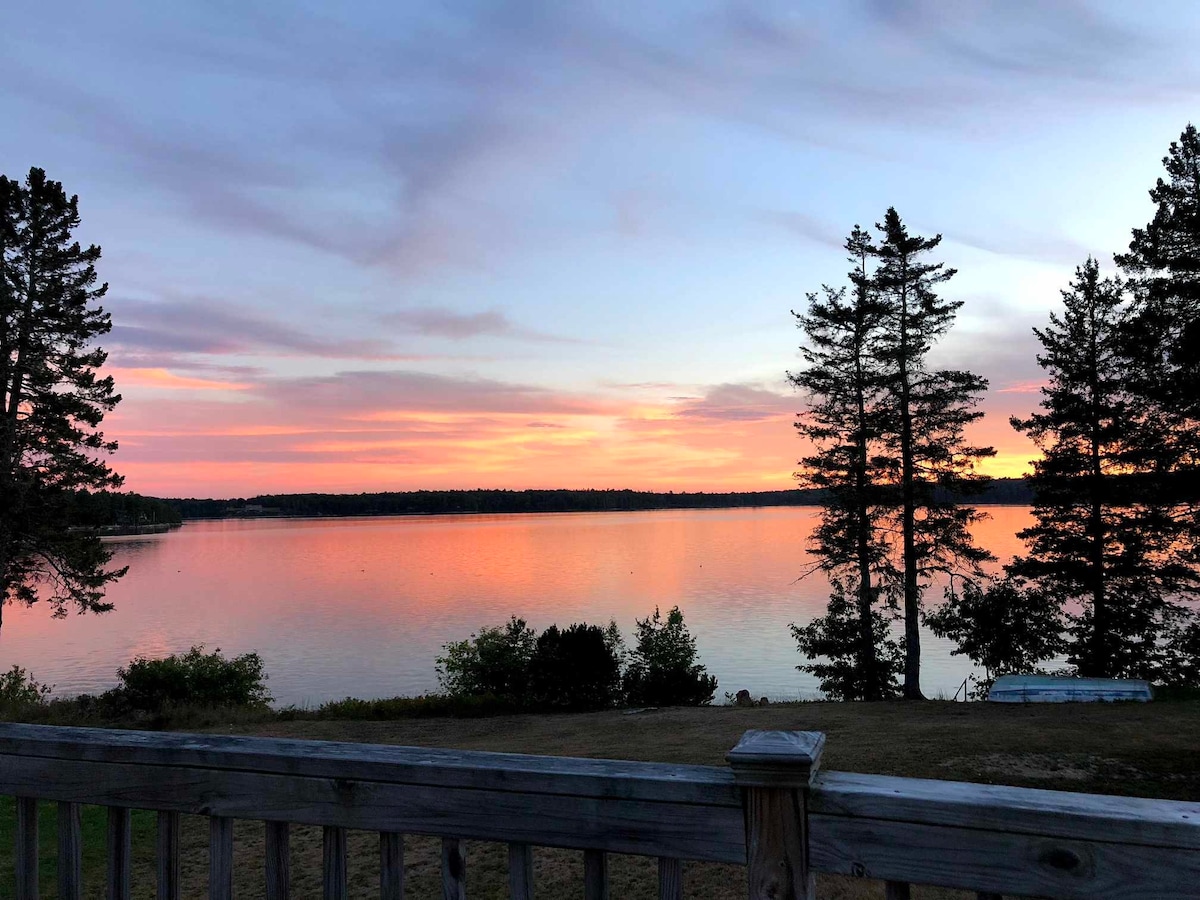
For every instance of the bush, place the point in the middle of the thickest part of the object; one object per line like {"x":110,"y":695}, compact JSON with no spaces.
{"x":1004,"y":628}
{"x":20,"y":693}
{"x":193,"y":678}
{"x":834,"y":647}
{"x":662,"y":669}
{"x":578,"y":668}
{"x":495,"y":662}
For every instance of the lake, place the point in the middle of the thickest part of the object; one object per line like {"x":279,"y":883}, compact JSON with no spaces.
{"x":361,"y":607}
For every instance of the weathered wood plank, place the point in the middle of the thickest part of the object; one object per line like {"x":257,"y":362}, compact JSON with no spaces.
{"x":520,"y":872}
{"x":777,"y":862}
{"x":120,"y":845}
{"x":333,"y":864}
{"x":372,"y":762}
{"x":391,"y":866}
{"x":670,"y":879}
{"x":595,"y":875}
{"x":897,"y":890}
{"x":167,"y":853}
{"x":1132,"y":820}
{"x":678,"y":830}
{"x":25,"y":855}
{"x":70,"y":852}
{"x":454,"y":869}
{"x":278,"y":863}
{"x":220,"y":858}
{"x":1002,"y":862}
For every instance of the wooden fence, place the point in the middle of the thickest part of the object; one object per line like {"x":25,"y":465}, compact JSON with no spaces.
{"x":771,"y":810}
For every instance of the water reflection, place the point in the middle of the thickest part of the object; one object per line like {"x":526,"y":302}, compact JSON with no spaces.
{"x":362,"y":606}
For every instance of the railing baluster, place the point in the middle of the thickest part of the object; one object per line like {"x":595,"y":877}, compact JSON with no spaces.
{"x":454,"y":869}
{"x":119,"y":845}
{"x":391,"y":866}
{"x":520,"y":872}
{"x":333,"y":868}
{"x":220,"y":858}
{"x":26,"y":855}
{"x":670,"y":879}
{"x":279,"y":861}
{"x":70,"y":852}
{"x":595,"y":875}
{"x":896,"y":890}
{"x":167,"y":853}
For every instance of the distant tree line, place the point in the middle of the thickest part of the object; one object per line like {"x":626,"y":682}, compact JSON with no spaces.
{"x":95,"y":509}
{"x":1111,"y":573}
{"x":1005,"y":490}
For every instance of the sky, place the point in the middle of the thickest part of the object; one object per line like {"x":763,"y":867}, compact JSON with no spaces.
{"x":403,"y":245}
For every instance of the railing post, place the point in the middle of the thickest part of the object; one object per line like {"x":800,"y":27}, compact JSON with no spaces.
{"x":774,"y":768}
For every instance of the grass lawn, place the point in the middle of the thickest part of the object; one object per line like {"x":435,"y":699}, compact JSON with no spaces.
{"x":1146,"y":750}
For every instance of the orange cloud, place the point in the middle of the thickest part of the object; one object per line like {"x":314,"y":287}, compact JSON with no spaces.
{"x":162,"y":378}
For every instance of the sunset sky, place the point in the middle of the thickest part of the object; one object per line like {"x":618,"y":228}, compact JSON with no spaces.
{"x":398,"y":245}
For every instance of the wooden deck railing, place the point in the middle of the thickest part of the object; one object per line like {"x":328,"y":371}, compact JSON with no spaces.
{"x":771,"y":810}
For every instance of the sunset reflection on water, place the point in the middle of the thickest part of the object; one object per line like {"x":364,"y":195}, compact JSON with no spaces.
{"x":361,"y":607}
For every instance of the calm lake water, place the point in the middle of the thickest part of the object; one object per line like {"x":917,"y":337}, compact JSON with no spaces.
{"x":361,"y":607}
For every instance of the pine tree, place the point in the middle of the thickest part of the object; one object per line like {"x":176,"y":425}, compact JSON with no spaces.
{"x":923,"y":426}
{"x":1103,"y":538}
{"x":53,"y":400}
{"x":843,"y":382}
{"x":1163,"y":268}
{"x":1163,"y":336}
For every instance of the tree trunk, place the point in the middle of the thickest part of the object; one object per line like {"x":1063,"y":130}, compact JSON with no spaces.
{"x":1098,"y":656}
{"x":908,"y":523}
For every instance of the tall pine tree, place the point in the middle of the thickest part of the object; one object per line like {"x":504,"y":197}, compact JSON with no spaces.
{"x":1105,"y":541}
{"x":1163,"y":271}
{"x":844,"y":384}
{"x":53,"y":400}
{"x":923,"y":426}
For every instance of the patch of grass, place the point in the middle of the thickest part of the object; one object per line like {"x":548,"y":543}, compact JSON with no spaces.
{"x":94,"y":831}
{"x":424,"y":706}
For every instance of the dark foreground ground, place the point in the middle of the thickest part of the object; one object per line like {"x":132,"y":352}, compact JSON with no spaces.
{"x":1150,"y":750}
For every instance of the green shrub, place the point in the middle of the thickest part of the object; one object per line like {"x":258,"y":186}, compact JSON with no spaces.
{"x":662,"y":668}
{"x":832,"y":645}
{"x":20,"y":693}
{"x":193,"y":678}
{"x":577,"y":668}
{"x":1004,"y":627}
{"x":495,"y":662}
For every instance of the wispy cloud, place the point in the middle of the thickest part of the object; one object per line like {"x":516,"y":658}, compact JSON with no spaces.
{"x":430,"y":321}
{"x":738,"y":403}
{"x":214,"y":327}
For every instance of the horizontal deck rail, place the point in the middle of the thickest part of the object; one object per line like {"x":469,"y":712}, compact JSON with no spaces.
{"x":771,"y":810}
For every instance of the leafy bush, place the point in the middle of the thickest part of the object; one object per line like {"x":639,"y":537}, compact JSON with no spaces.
{"x":495,"y":662}
{"x":577,"y":668}
{"x":833,"y":645}
{"x":662,"y":668}
{"x":1176,"y":663}
{"x":1005,"y":628}
{"x":20,"y":692}
{"x":195,"y":678}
